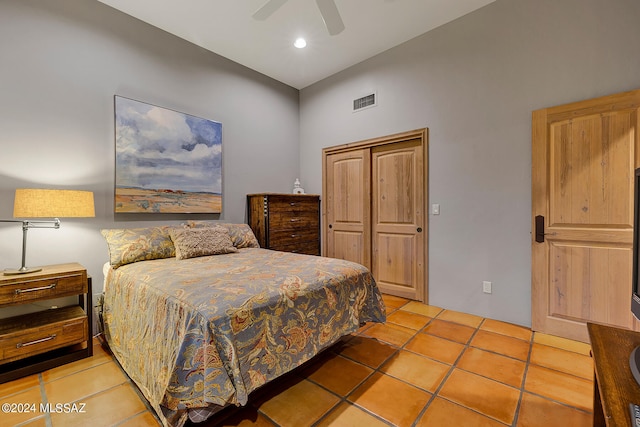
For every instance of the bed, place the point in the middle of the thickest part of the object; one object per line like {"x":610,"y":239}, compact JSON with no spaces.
{"x":200,"y":332}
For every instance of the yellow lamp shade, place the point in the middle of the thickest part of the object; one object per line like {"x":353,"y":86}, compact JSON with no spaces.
{"x":43,"y":203}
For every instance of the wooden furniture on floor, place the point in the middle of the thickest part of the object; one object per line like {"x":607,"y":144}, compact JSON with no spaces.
{"x":286,"y":222}
{"x":374,"y":196}
{"x":614,"y":388}
{"x":34,"y":342}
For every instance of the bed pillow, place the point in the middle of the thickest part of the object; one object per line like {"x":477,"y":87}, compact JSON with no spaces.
{"x":195,"y":242}
{"x":128,"y":245}
{"x":241,"y":234}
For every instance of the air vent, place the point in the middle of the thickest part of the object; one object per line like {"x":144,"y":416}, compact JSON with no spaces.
{"x":364,"y":102}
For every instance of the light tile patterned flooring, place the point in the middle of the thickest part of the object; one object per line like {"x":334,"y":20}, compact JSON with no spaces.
{"x":424,"y":367}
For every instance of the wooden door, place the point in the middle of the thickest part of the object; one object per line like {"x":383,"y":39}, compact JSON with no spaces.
{"x":391,"y":245}
{"x":398,"y":218}
{"x":347,"y":206}
{"x":584,"y":155}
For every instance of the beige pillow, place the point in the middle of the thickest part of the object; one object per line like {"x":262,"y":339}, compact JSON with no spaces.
{"x":241,"y":234}
{"x":195,"y":242}
{"x":127,"y":245}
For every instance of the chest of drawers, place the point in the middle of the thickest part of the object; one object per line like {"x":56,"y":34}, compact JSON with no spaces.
{"x":286,"y":222}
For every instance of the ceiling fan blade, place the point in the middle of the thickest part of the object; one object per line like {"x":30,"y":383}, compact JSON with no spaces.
{"x":268,"y":9}
{"x":331,"y":16}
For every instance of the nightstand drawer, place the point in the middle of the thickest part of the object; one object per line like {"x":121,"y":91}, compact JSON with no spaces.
{"x":36,"y":333}
{"x":34,"y":290}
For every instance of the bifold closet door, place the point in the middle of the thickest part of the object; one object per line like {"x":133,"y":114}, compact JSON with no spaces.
{"x":398,"y":218}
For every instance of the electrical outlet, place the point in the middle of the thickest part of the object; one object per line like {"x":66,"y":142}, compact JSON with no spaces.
{"x":98,"y":299}
{"x":486,"y":287}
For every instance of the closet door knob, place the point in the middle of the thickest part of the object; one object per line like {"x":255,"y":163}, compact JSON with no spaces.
{"x":330,"y":226}
{"x":419,"y":230}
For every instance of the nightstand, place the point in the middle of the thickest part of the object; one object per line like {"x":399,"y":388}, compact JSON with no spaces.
{"x":34,"y":342}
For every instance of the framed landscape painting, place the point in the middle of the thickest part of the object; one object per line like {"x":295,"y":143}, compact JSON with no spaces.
{"x":166,"y":161}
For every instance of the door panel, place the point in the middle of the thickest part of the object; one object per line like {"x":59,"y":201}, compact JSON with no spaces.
{"x":347,"y":206}
{"x":348,"y":245}
{"x":582,"y":275}
{"x":398,"y":218}
{"x":392,"y":250}
{"x":584,"y":155}
{"x":599,"y":190}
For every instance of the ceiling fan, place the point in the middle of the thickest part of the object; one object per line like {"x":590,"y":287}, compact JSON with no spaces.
{"x":328,"y":10}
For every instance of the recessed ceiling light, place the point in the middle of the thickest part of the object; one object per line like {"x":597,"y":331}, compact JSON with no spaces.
{"x":300,"y":43}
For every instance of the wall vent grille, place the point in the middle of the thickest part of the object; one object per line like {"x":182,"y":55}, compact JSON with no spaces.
{"x":364,"y":102}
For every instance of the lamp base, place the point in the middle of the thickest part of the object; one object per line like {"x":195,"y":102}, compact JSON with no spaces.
{"x":21,"y":271}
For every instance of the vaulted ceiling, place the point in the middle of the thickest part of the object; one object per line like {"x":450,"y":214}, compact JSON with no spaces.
{"x":227,"y":27}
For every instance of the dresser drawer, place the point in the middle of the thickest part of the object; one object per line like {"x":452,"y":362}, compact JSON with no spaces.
{"x":40,"y":289}
{"x":287,"y":237}
{"x":35,"y":333}
{"x":292,"y":206}
{"x":289,"y":221}
{"x":309,"y":247}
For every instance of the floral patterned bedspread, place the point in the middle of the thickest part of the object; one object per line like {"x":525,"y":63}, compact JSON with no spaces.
{"x":207,"y":331}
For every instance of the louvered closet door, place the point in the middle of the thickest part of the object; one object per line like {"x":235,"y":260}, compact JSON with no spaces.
{"x":584,"y":155}
{"x":398,"y":218}
{"x":347,"y":186}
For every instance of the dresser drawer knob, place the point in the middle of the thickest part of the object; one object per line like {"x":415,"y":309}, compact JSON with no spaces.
{"x":49,"y":338}
{"x":41,"y":288}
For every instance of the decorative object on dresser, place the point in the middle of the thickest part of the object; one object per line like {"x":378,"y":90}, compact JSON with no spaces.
{"x":286,"y":222}
{"x":34,"y":342}
{"x":47,"y":203}
{"x":297,"y":188}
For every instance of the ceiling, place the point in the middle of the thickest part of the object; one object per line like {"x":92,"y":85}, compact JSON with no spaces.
{"x":227,"y":28}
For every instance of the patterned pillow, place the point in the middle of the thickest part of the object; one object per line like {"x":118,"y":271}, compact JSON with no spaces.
{"x":241,"y":234}
{"x":128,"y":245}
{"x":195,"y":242}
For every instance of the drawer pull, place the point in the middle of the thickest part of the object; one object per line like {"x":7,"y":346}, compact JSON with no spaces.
{"x":41,"y":288}
{"x":293,"y":203}
{"x":294,"y":220}
{"x":49,"y":338}
{"x":294,"y":235}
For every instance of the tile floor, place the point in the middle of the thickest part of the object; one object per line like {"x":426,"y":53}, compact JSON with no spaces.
{"x":424,"y":367}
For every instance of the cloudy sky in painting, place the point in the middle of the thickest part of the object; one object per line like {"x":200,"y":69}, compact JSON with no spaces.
{"x":157,"y":148}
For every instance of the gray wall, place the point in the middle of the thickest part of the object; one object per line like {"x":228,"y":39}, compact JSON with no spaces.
{"x":474,"y":83}
{"x":63,"y":61}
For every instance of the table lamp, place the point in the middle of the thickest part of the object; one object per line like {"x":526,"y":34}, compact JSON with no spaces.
{"x":45,"y":203}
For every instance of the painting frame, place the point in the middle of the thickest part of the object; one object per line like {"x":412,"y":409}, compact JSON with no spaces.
{"x":166,"y":161}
